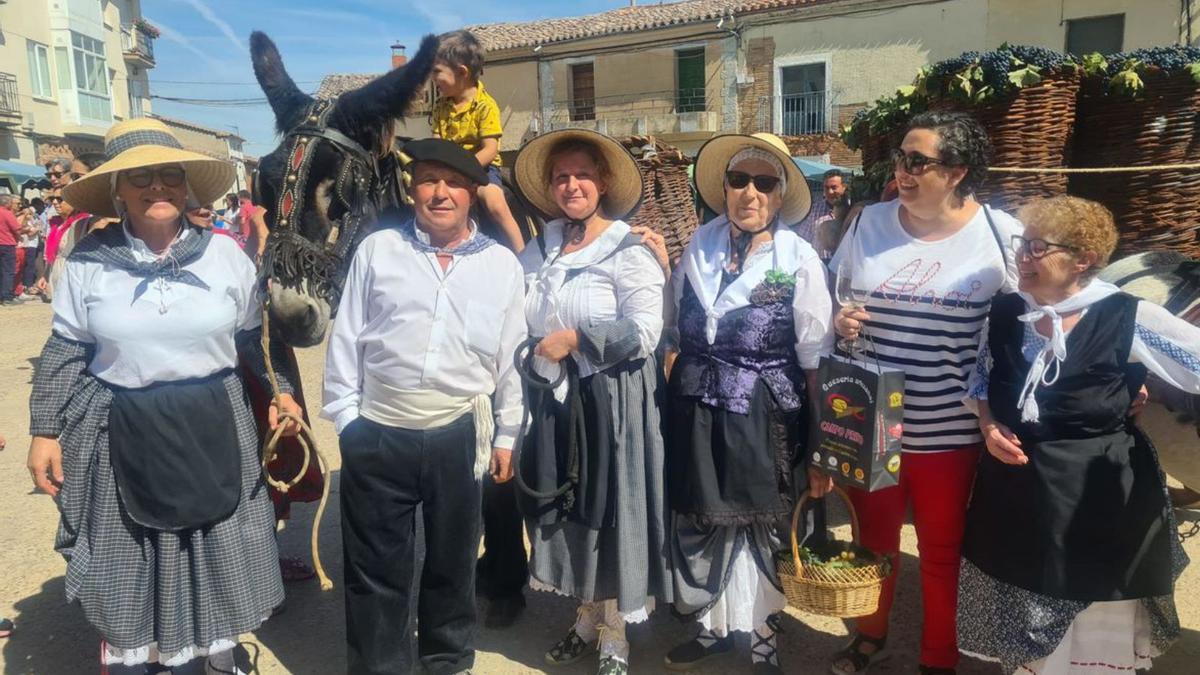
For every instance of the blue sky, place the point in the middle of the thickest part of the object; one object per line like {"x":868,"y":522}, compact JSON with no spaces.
{"x":204,"y":53}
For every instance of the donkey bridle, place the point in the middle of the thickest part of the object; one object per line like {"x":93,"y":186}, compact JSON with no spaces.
{"x":359,"y":191}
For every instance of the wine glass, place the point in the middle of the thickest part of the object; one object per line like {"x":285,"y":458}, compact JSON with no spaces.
{"x":848,"y":296}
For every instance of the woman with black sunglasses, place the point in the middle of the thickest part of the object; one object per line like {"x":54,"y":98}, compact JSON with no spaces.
{"x":754,"y":315}
{"x":928,"y":265}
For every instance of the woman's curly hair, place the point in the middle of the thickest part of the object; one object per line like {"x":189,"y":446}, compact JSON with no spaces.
{"x":961,"y":142}
{"x":1081,"y":223}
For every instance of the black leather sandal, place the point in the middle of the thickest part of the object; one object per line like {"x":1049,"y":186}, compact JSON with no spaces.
{"x":860,"y":661}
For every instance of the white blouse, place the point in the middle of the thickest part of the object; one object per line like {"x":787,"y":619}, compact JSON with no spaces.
{"x":1168,"y":346}
{"x":593,"y":286}
{"x":172,"y":331}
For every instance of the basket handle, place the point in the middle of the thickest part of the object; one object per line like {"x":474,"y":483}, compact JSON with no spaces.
{"x":796,"y":522}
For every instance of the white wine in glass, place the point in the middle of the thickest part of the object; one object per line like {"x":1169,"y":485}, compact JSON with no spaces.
{"x":850,"y":297}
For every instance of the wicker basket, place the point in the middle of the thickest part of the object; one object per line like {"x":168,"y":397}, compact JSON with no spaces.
{"x":668,"y":202}
{"x":1031,"y":128}
{"x":842,"y":593}
{"x":1153,"y":210}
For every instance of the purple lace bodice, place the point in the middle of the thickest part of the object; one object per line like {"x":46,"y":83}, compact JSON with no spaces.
{"x":753,"y":342}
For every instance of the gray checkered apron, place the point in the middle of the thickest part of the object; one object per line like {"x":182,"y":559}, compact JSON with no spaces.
{"x":139,"y":585}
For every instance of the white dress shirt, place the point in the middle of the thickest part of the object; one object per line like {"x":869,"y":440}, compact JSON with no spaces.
{"x":172,"y":331}
{"x":413,"y":326}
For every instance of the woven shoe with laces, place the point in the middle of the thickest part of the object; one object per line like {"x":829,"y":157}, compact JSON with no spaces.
{"x":611,"y":665}
{"x":569,"y":650}
{"x":696,"y":651}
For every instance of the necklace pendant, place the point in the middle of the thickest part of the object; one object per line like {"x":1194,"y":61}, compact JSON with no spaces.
{"x":162,"y":309}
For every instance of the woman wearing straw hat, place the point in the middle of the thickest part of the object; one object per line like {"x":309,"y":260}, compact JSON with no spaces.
{"x":754,"y":316}
{"x":595,"y":298}
{"x":140,"y":423}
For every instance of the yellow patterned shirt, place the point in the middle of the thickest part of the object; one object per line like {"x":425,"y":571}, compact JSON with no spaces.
{"x":469,"y":126}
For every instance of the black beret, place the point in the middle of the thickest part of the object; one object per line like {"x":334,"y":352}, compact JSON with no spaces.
{"x":450,"y":154}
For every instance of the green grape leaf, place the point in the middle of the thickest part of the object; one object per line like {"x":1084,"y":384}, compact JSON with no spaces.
{"x":1095,"y":63}
{"x":1025,"y":77}
{"x":983,"y":94}
{"x":963,"y":83}
{"x":1127,"y":81}
{"x":1193,"y":69}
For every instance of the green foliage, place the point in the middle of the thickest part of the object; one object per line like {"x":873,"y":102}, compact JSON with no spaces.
{"x":779,"y":278}
{"x":1126,"y":72}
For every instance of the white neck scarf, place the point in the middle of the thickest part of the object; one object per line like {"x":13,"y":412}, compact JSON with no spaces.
{"x":553,"y":274}
{"x":1047,"y":365}
{"x":706,"y":258}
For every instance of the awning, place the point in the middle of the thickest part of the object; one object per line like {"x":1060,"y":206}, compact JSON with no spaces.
{"x":814,"y":169}
{"x":21,"y":172}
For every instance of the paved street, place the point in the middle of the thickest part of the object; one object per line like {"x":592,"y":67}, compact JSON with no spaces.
{"x":53,"y":638}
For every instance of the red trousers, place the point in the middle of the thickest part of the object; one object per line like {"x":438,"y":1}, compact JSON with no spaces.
{"x":19,"y":275}
{"x":937,"y":485}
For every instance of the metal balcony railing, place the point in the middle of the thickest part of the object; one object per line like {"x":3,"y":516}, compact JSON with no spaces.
{"x":135,"y":42}
{"x":9,"y":103}
{"x":808,"y":113}
{"x":629,"y":106}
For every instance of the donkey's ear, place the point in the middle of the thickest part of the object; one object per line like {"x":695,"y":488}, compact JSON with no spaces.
{"x":286,"y":99}
{"x":389,"y":96}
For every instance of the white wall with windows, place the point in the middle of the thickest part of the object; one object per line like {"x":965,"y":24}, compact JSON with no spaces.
{"x":40,"y":83}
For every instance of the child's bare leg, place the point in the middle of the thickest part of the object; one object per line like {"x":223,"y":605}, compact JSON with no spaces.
{"x":493,"y":200}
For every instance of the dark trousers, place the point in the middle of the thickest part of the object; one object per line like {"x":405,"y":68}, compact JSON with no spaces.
{"x":503,"y":569}
{"x":386,"y":473}
{"x":8,"y":271}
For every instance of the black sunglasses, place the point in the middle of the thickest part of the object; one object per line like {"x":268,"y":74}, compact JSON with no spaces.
{"x":53,"y":200}
{"x":914,"y":163}
{"x":739,"y":180}
{"x":1036,"y":248}
{"x":55,"y":174}
{"x":170,"y":176}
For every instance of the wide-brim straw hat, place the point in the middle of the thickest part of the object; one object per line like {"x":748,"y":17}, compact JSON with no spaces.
{"x":713,"y":161}
{"x":623,"y":195}
{"x":142,"y":142}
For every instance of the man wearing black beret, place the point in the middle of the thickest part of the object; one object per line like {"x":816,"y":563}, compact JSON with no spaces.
{"x":432,"y":313}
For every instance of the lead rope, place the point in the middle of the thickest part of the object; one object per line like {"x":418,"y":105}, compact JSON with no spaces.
{"x":308,"y":443}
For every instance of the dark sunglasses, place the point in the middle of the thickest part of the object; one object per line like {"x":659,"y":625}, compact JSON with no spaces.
{"x":914,"y":163}
{"x":55,"y":174}
{"x":739,"y":180}
{"x":170,"y":176}
{"x":53,"y":200}
{"x":1036,"y":248}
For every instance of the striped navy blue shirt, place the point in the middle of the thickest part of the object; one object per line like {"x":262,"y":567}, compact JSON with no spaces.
{"x":928,"y":301}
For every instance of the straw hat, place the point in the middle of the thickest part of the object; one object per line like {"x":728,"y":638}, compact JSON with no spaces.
{"x":713,"y":161}
{"x":624,"y":186}
{"x":146,"y":142}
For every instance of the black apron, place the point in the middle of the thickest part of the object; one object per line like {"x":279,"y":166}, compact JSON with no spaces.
{"x":174,"y":452}
{"x":1087,"y":518}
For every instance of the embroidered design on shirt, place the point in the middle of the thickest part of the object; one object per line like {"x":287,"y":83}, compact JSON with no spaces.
{"x":904,"y":286}
{"x":1161,"y":344}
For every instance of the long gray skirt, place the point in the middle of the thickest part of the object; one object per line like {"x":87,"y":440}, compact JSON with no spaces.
{"x":139,"y":586}
{"x":626,"y":562}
